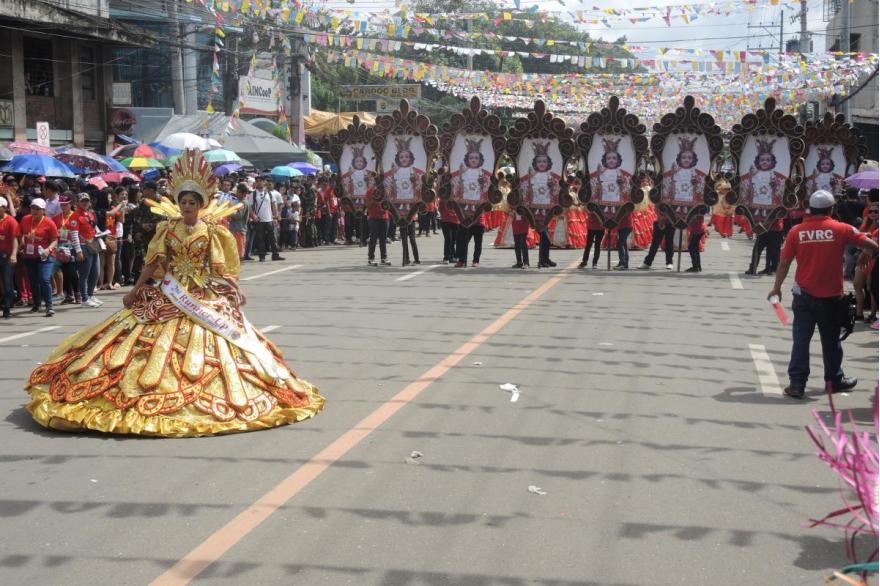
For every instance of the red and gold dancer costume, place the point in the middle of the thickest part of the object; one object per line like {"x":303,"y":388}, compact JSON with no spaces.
{"x":182,"y":360}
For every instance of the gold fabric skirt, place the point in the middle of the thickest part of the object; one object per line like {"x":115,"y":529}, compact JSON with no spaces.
{"x":165,"y":376}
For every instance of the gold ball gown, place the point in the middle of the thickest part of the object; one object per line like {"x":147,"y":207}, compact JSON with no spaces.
{"x":157,"y":369}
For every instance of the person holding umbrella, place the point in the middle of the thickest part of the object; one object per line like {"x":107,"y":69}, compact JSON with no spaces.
{"x":39,"y":237}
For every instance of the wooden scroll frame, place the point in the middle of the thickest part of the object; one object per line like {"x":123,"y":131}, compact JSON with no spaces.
{"x":478,"y":121}
{"x":613,"y":119}
{"x":687,"y":118}
{"x":769,"y":120}
{"x":355,"y":133}
{"x":834,"y":130}
{"x":540,"y":123}
{"x":405,"y":121}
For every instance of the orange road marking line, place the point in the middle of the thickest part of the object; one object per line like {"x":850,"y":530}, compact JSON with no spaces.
{"x":221,"y":541}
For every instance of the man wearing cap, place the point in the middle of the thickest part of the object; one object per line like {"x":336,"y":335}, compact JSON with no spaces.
{"x":39,"y":237}
{"x":8,"y":255}
{"x":88,"y":266}
{"x":817,"y":244}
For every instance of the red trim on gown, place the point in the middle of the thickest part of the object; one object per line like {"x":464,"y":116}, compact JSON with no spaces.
{"x":643,"y":228}
{"x":743,"y":223}
{"x":722,"y":224}
{"x":504,"y":238}
{"x":493,"y":219}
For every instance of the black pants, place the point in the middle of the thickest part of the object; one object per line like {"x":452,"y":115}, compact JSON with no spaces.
{"x":622,"y":248}
{"x":774,"y":249}
{"x":694,"y":249}
{"x":71,"y":279}
{"x":521,"y":248}
{"x":594,"y":237}
{"x":809,"y":313}
{"x":410,"y":233}
{"x":378,"y":231}
{"x":392,"y":231}
{"x":265,"y":239}
{"x":544,"y":247}
{"x":450,"y":237}
{"x":364,"y":234}
{"x":331,"y":221}
{"x":7,"y":281}
{"x":464,"y":237}
{"x":667,"y":235}
{"x":351,"y":227}
{"x":424,"y":223}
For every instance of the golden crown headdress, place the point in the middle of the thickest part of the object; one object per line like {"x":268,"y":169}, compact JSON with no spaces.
{"x":825,"y":153}
{"x":540,"y":148}
{"x":686,"y":144}
{"x":473,"y":146}
{"x":765,"y":147}
{"x":610,"y":144}
{"x":192,"y":172}
{"x":357,"y":150}
{"x":402,"y":143}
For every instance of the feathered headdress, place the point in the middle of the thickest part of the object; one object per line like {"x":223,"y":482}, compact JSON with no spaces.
{"x":610,"y":144}
{"x":765,"y":147}
{"x":193,"y":173}
{"x":402,"y":143}
{"x":357,"y":150}
{"x":825,"y":153}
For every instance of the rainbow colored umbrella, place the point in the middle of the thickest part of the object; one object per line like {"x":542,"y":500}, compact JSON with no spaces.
{"x":142,"y":163}
{"x":137,"y":150}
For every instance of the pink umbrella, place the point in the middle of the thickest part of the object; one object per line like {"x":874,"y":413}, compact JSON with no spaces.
{"x":98,"y":182}
{"x":117,"y":177}
{"x":29,"y":148}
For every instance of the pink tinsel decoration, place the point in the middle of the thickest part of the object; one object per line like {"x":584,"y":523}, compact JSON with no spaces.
{"x":853,"y":455}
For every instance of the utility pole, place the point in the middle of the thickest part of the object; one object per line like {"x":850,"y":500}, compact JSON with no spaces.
{"x":297,"y":67}
{"x":470,"y":56}
{"x":176,"y":61}
{"x":781,"y":34}
{"x":804,"y":39}
{"x":845,"y":48}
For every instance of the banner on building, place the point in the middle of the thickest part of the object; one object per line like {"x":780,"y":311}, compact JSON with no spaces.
{"x":391,"y":93}
{"x":258,"y":96}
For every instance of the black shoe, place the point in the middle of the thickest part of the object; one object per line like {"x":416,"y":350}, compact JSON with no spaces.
{"x":417,"y":262}
{"x":277,"y":257}
{"x":550,"y":263}
{"x":751,"y":272}
{"x":372,"y":263}
{"x":35,"y":308}
{"x":766,"y":272}
{"x":7,"y":314}
{"x":542,"y":265}
{"x":518,"y":265}
{"x":385,"y":262}
{"x":582,"y":265}
{"x":794,"y":391}
{"x":844,"y":384}
{"x":50,"y":312}
{"x":692,"y":270}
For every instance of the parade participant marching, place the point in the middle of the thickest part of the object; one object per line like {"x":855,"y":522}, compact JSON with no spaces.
{"x":595,"y":233}
{"x":696,"y":229}
{"x":180,"y":359}
{"x":520,"y":230}
{"x":817,"y":244}
{"x":664,"y":231}
{"x":449,"y":225}
{"x":378,"y":222}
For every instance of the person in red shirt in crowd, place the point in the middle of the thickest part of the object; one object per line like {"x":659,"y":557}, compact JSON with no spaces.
{"x":624,"y":229}
{"x":520,"y":229}
{"x":817,"y":244}
{"x":68,"y":248}
{"x":331,"y":218}
{"x":378,"y":221}
{"x":39,"y":237}
{"x":321,"y":210}
{"x":867,"y":268}
{"x":449,"y":225}
{"x":595,"y":232}
{"x":8,"y":255}
{"x":695,"y":228}
{"x":87,"y":260}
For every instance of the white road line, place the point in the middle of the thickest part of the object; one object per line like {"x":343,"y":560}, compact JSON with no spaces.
{"x":735,"y":283}
{"x":766,"y":373}
{"x":268,"y":329}
{"x":417,"y":273}
{"x":26,"y":334}
{"x":275,"y":272}
{"x":725,"y":245}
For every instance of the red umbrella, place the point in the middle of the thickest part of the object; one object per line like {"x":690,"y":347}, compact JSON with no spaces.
{"x":29,"y":148}
{"x":117,"y":177}
{"x":137,"y":150}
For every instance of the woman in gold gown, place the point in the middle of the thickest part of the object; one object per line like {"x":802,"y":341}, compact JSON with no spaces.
{"x":180,"y":359}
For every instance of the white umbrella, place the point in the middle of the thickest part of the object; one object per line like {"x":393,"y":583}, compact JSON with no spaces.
{"x":213,"y":144}
{"x":184,"y":140}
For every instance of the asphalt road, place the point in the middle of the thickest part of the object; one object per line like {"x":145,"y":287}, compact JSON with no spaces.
{"x":646,"y":415}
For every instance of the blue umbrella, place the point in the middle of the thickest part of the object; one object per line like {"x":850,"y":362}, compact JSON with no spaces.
{"x":304,"y":168}
{"x":37,"y":165}
{"x":282,"y":173}
{"x":226,"y":169}
{"x":169,"y":151}
{"x":115,"y":166}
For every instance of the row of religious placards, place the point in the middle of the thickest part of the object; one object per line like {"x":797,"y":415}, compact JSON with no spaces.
{"x":771,"y":163}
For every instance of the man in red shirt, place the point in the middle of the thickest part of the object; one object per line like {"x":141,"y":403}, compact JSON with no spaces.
{"x":817,"y":244}
{"x":8,"y":255}
{"x":39,"y":237}
{"x":378,"y":221}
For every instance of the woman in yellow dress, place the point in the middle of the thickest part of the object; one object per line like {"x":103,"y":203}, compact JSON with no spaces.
{"x":180,"y":359}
